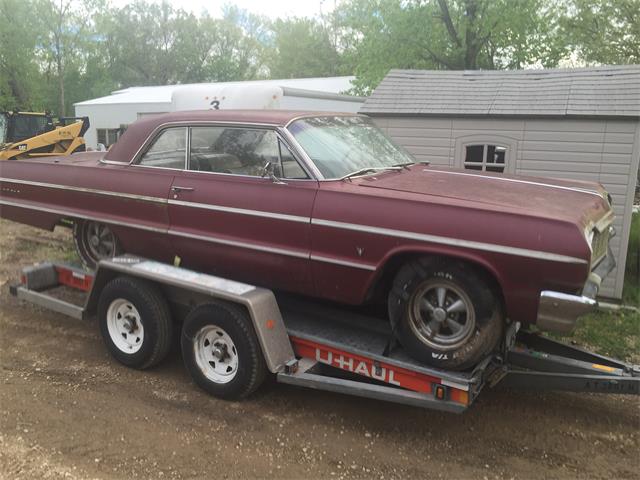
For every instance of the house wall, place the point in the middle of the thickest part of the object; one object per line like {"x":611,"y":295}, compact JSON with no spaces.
{"x":114,"y":115}
{"x":600,"y":150}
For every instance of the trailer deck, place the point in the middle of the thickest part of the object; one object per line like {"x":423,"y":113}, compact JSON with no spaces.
{"x":319,"y":346}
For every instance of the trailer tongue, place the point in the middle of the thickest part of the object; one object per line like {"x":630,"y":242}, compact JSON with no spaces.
{"x":303,"y":343}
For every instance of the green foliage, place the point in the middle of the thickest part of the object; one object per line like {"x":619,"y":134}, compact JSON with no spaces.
{"x":448,"y":34}
{"x":617,"y":333}
{"x":603,"y":31}
{"x":19,"y":74}
{"x":57,"y":52}
{"x":303,"y":48}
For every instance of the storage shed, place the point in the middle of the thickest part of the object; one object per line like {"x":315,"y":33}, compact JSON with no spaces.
{"x":582,"y":124}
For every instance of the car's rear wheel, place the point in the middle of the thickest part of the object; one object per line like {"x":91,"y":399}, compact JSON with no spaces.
{"x":95,"y":241}
{"x":445,"y":312}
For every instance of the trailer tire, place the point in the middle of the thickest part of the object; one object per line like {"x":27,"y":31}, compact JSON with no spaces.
{"x":221,"y":351}
{"x":135,"y":322}
{"x":94,"y":241}
{"x":445,"y":312}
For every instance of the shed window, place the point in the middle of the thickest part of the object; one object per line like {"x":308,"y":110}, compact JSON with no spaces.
{"x":487,"y":158}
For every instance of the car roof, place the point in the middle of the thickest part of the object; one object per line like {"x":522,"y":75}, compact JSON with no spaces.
{"x":138,"y":132}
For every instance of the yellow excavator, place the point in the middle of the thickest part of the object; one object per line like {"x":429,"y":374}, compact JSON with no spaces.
{"x":34,"y":134}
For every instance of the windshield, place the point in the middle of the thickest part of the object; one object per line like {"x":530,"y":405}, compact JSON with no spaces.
{"x":339,"y":146}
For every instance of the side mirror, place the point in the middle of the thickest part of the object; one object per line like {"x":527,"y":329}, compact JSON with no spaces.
{"x":269,"y":171}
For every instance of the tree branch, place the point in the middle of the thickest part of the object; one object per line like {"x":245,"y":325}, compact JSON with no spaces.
{"x":446,"y":18}
{"x":441,"y":60}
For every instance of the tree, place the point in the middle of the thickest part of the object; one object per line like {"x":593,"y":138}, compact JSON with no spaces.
{"x":20,"y":85}
{"x":603,"y":31}
{"x":63,"y":29}
{"x":302,"y":47}
{"x":447,"y":34}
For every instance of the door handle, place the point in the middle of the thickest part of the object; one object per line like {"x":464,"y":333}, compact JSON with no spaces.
{"x":176,"y":189}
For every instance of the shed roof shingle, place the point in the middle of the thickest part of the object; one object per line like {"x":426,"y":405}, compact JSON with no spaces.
{"x":612,"y":91}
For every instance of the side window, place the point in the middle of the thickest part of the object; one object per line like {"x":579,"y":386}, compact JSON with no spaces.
{"x":169,"y":150}
{"x":237,"y":151}
{"x":488,"y":158}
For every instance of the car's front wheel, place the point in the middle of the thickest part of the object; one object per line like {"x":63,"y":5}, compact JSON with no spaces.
{"x":445,"y":312}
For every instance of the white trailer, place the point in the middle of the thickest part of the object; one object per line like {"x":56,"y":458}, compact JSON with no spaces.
{"x":110,"y":115}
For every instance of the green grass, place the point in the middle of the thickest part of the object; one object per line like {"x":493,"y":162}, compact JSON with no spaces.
{"x":617,"y":333}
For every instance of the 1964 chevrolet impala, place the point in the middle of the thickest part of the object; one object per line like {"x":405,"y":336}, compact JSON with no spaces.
{"x":327,"y":206}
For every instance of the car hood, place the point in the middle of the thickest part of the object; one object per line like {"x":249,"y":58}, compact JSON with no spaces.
{"x":583,"y":203}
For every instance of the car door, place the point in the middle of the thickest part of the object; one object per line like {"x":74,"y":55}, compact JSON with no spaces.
{"x":227,"y":218}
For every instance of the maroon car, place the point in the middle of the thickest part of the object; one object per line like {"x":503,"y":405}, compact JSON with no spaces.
{"x":325,"y":205}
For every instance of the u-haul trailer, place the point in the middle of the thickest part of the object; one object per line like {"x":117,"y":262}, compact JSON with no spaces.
{"x":233,"y":334}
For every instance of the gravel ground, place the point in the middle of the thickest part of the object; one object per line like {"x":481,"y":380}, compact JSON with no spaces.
{"x":67,"y":410}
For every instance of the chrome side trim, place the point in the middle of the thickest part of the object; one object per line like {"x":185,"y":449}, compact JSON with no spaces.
{"x":220,"y":241}
{"x":242,"y":211}
{"x":514,"y":180}
{"x":82,"y":216}
{"x":85,"y":190}
{"x":521,"y":252}
{"x":344,"y":263}
{"x":232,"y":243}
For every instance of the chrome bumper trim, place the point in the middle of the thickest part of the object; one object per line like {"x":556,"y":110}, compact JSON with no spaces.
{"x":558,"y":312}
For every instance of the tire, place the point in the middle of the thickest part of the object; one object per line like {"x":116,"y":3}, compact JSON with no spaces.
{"x":135,"y":322}
{"x":221,"y":351}
{"x":95,"y":241}
{"x":445,"y":313}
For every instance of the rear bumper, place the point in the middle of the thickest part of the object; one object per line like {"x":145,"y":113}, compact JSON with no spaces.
{"x":559,"y":312}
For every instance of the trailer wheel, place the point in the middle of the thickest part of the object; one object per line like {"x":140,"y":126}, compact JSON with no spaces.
{"x":445,"y":313}
{"x":94,"y":241}
{"x":135,"y":322}
{"x":221,"y":351}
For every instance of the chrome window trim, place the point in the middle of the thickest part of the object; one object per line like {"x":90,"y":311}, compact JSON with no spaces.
{"x":149,"y":143}
{"x":311,"y":167}
{"x":187,"y":124}
{"x":320,"y":114}
{"x":489,"y":247}
{"x":275,"y":129}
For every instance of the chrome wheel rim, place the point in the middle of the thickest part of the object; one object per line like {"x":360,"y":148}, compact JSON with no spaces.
{"x":216,"y":354}
{"x":125,"y":326}
{"x":100,"y":241}
{"x":441,"y":315}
